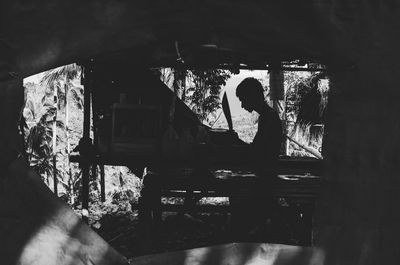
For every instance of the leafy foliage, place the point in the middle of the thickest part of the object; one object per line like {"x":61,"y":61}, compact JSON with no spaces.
{"x":39,"y":143}
{"x":58,"y":82}
{"x":61,"y":79}
{"x":40,"y":113}
{"x":203,"y":93}
{"x":200,"y":89}
{"x":306,"y":101}
{"x":68,"y":72}
{"x":77,"y":96}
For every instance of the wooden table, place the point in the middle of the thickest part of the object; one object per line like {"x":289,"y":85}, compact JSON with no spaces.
{"x":286,"y":165}
{"x":300,"y":191}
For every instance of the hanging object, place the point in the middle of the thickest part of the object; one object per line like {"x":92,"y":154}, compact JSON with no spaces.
{"x":179,"y":59}
{"x":276,"y":82}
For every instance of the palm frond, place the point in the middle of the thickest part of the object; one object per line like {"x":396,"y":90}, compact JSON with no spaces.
{"x":30,"y":106}
{"x":48,"y":114}
{"x":69,"y":72}
{"x":44,"y":99}
{"x":48,"y":124}
{"x":77,"y":97}
{"x":60,"y":124}
{"x":61,"y":97}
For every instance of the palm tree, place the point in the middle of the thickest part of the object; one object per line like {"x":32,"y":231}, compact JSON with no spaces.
{"x":59,"y":81}
{"x":38,"y":147}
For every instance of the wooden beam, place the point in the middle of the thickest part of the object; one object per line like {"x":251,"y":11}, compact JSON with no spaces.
{"x":102,"y":184}
{"x":86,"y":142}
{"x":247,"y":67}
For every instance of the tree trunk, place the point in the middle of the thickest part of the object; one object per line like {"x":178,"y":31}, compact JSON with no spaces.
{"x":55,"y":180}
{"x":183,"y":97}
{"x":68,"y":167}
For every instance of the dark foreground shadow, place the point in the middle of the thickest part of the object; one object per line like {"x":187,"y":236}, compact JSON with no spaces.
{"x":237,"y":254}
{"x":38,"y":228}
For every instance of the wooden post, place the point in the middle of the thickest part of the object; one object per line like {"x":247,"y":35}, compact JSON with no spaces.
{"x":86,"y":142}
{"x":55,"y":180}
{"x":102,"y":184}
{"x":95,"y":119}
{"x":66,"y":127}
{"x":277,"y":95}
{"x":55,"y":105}
{"x":276,"y":86}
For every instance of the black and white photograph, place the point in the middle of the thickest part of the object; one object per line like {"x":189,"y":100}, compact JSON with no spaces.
{"x":199,"y":132}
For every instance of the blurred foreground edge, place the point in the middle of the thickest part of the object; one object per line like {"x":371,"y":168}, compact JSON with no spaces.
{"x":37,"y":228}
{"x":237,"y":254}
